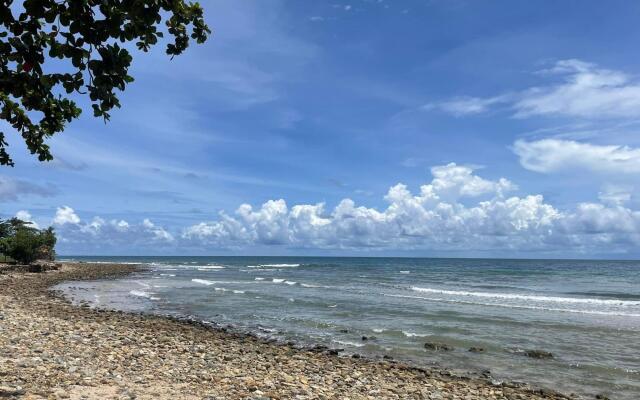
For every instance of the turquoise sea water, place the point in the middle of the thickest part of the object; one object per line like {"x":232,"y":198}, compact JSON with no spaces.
{"x":587,"y":313}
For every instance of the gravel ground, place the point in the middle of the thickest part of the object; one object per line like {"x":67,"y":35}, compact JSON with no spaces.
{"x":51,"y":349}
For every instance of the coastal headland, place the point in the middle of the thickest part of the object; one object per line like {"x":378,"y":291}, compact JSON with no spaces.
{"x":53,"y":350}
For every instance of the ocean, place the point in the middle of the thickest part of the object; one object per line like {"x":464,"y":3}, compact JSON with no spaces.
{"x":586,"y":313}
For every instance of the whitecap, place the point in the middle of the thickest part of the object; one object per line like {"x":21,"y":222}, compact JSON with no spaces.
{"x":378,"y":330}
{"x":313,"y":286}
{"x":238,"y":291}
{"x":277,"y":280}
{"x":139,"y":293}
{"x":514,"y":296}
{"x":203,"y":281}
{"x":412,"y":334}
{"x":569,"y":310}
{"x":290,"y":282}
{"x":258,"y":270}
{"x":405,"y":272}
{"x":347,"y":343}
{"x":109,"y":262}
{"x":205,"y":267}
{"x":307,"y":285}
{"x":259,"y":279}
{"x":279,"y":265}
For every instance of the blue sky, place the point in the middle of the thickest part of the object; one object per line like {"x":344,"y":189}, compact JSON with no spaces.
{"x":513,"y":127}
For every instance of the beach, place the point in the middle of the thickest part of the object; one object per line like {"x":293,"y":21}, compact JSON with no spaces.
{"x":52,"y":349}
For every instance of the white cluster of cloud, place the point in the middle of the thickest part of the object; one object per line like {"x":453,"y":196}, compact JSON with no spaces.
{"x":25,"y":216}
{"x":554,"y":155}
{"x":443,"y":216}
{"x":585,"y":91}
{"x":456,"y":211}
{"x":65,"y":215}
{"x":101,"y":234}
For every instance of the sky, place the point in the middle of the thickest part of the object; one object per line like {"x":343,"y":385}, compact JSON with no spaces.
{"x":363,"y":128}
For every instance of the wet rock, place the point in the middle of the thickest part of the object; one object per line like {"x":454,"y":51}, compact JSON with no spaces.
{"x":39,"y":266}
{"x":539,"y":354}
{"x":476,"y":349}
{"x":319,"y":348}
{"x":437,"y":346}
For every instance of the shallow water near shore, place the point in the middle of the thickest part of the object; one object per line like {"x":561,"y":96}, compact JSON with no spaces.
{"x":587,"y":313}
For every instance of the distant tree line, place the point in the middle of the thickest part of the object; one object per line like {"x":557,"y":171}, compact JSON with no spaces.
{"x":24,"y":243}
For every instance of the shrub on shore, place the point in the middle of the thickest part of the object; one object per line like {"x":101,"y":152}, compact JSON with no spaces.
{"x":25,"y":243}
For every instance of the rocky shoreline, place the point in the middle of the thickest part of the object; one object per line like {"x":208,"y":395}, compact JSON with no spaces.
{"x":53,"y":350}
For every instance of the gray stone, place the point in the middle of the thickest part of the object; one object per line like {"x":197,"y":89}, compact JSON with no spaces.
{"x":540,"y":354}
{"x":437,"y":346}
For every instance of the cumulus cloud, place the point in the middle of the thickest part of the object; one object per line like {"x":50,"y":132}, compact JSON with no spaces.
{"x":585,"y":90}
{"x":13,"y":189}
{"x":454,"y":181}
{"x":112,"y":235}
{"x":553,"y":155}
{"x":437,"y":218}
{"x":65,"y":215}
{"x":457,"y":210}
{"x":24,"y":215}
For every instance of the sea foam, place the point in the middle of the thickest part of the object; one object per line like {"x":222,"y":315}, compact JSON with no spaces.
{"x":203,"y":281}
{"x":205,"y":267}
{"x":274,"y":266}
{"x":140,"y":293}
{"x":525,"y":307}
{"x":514,"y":296}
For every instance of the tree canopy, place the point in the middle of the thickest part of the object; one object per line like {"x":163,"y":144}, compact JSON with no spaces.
{"x":25,"y":243}
{"x":86,"y":34}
